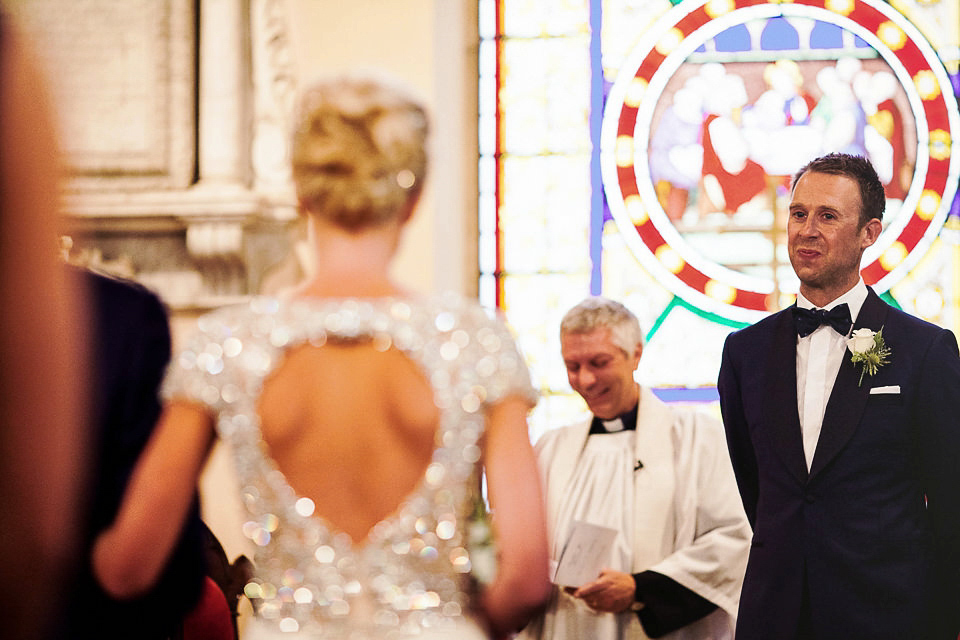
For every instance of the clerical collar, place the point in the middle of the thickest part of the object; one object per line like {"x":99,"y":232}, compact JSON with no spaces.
{"x":624,"y":422}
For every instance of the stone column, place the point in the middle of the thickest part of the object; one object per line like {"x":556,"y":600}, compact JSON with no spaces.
{"x":223,"y":93}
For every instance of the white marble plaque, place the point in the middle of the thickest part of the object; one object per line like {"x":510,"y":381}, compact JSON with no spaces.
{"x":121,"y":75}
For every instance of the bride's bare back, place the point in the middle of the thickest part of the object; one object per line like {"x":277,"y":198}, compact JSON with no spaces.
{"x":350,"y":427}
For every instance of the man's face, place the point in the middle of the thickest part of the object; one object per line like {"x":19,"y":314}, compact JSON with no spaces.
{"x":824,"y":238}
{"x":601,"y":372}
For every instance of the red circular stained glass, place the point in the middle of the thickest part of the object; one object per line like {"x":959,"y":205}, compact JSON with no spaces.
{"x":627,"y":117}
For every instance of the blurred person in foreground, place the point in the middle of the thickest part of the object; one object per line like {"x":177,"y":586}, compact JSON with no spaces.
{"x":658,"y":478}
{"x":359,"y":416}
{"x":42,"y":350}
{"x":841,"y":419}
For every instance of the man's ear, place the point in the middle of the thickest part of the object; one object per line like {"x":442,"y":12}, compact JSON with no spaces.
{"x":871,"y":231}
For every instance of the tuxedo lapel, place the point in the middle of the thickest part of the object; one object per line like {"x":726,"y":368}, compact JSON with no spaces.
{"x":849,"y":397}
{"x":780,"y":396}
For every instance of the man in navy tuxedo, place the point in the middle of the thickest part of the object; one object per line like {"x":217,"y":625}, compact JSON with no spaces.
{"x":849,"y":471}
{"x":131,"y":349}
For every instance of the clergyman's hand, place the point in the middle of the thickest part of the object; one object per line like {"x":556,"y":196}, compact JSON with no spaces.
{"x":612,"y":592}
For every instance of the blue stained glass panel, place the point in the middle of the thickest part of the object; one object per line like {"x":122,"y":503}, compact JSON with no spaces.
{"x":735,"y":38}
{"x":826,"y":36}
{"x":779,"y":34}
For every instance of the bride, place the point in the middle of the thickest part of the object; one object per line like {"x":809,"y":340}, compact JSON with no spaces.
{"x":360,"y":418}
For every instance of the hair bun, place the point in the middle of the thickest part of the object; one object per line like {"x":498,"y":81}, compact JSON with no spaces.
{"x":359,"y":151}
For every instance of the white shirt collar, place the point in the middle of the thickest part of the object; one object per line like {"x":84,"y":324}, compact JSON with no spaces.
{"x":854,"y":298}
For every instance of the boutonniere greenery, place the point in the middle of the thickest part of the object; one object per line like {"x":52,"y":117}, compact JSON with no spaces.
{"x":481,"y":546}
{"x":868,"y":350}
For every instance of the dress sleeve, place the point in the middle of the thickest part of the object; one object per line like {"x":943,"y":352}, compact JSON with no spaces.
{"x":194,"y":374}
{"x":500,"y":365}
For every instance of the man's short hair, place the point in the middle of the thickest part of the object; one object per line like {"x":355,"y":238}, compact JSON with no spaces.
{"x":873,"y":201}
{"x":597,"y":312}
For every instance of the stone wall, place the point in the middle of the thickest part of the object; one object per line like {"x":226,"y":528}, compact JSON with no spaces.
{"x":174,"y":117}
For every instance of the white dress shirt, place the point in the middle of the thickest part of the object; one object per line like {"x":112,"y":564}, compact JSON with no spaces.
{"x":819,"y":356}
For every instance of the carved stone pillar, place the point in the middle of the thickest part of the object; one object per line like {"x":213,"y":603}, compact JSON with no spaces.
{"x":223,"y":91}
{"x":175,"y":120}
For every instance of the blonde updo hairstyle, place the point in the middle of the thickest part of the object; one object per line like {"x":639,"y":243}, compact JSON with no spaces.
{"x":359,"y":151}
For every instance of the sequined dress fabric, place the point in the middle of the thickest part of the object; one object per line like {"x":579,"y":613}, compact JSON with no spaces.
{"x":413,"y":576}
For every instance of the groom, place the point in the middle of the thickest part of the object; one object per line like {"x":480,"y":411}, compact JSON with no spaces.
{"x":849,"y":471}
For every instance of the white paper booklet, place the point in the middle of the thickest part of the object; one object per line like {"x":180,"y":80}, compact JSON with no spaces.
{"x":586,"y":552}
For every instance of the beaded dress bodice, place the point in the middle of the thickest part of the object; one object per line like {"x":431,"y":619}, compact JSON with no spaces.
{"x":413,"y":572}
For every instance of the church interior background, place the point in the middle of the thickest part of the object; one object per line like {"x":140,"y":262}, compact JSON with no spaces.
{"x":676,"y":125}
{"x":639,"y":149}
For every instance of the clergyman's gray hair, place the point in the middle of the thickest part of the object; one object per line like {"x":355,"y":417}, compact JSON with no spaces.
{"x":597,"y":312}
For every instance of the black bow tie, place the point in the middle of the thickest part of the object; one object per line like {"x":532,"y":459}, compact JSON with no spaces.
{"x":808,"y":320}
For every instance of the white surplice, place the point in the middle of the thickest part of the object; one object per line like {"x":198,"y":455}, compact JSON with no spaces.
{"x":679,"y":514}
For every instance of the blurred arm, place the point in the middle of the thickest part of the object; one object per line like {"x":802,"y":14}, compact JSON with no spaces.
{"x":129,"y":555}
{"x":521,"y":585}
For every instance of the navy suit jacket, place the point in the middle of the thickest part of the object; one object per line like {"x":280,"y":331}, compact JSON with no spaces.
{"x":130,"y":351}
{"x":872,"y":532}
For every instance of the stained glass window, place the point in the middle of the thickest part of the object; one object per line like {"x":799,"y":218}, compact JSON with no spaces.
{"x":641,"y":149}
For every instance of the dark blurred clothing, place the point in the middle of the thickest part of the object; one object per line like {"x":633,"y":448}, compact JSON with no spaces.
{"x":131,"y":350}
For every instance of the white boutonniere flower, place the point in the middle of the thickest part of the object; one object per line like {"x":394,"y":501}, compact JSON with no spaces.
{"x":869,"y":350}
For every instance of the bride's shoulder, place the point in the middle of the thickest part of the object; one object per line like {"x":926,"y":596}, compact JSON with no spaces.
{"x":465,"y":308}
{"x":229,"y":326}
{"x":440,"y":312}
